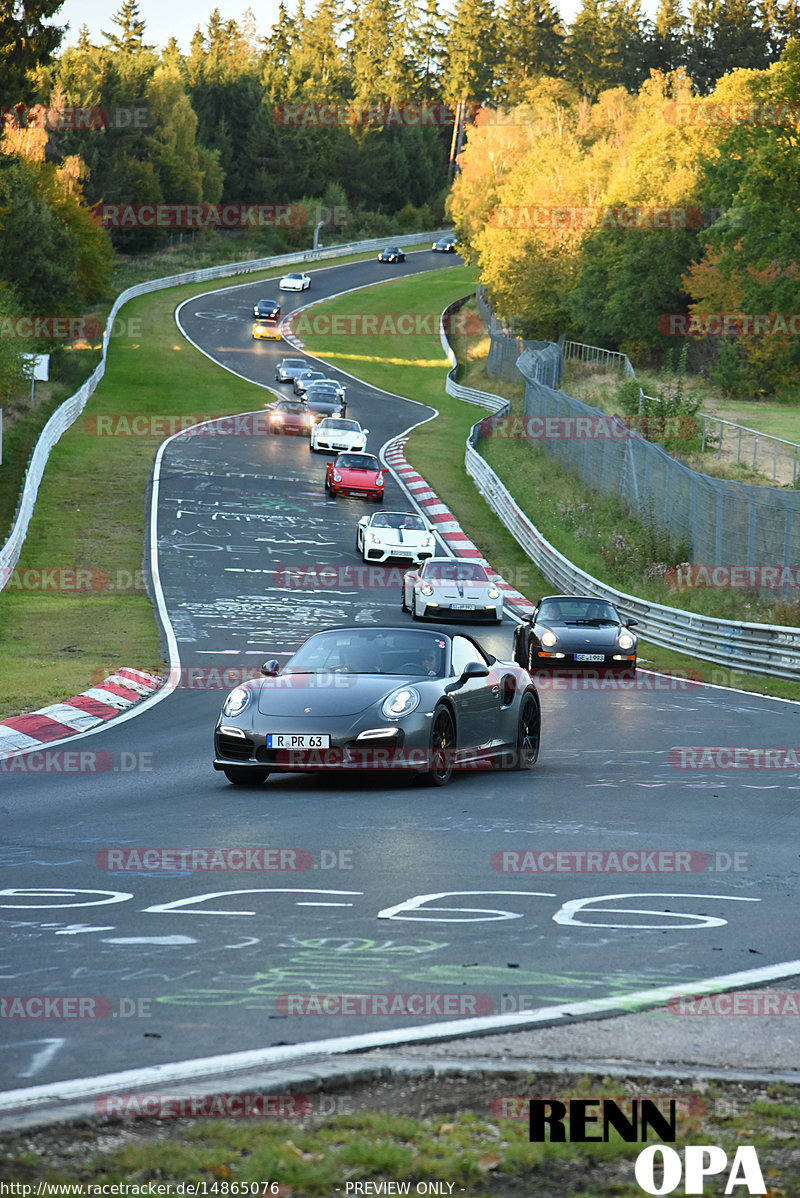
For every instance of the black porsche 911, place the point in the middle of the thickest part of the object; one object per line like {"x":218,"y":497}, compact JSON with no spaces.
{"x":380,"y":698}
{"x":392,"y":253}
{"x":575,"y":631}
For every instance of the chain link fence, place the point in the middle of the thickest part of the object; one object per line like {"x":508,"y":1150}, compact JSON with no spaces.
{"x":505,"y":348}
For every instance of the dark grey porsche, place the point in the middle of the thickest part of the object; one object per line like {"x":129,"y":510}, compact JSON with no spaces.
{"x":380,"y":698}
{"x":575,"y":631}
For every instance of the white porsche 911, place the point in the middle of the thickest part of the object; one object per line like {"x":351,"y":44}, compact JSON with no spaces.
{"x":395,"y":535}
{"x":295,"y":282}
{"x":446,"y":587}
{"x":336,"y":435}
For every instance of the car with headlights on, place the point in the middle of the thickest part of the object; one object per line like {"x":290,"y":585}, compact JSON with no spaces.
{"x":447,"y":586}
{"x":445,"y":245}
{"x":288,"y":369}
{"x":266,"y":309}
{"x":295,"y":281}
{"x":575,"y":631}
{"x":378,"y":698}
{"x":325,"y":399}
{"x":392,"y":253}
{"x":334,"y":434}
{"x":300,"y":381}
{"x":356,"y":474}
{"x":392,"y":536}
{"x":267,"y":330}
{"x":288,"y":416}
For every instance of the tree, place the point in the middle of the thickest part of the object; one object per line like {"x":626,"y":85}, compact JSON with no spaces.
{"x":724,"y":35}
{"x":531,"y":39}
{"x":26,"y":41}
{"x":130,"y":39}
{"x":608,"y":45}
{"x":668,"y":48}
{"x":471,"y":53}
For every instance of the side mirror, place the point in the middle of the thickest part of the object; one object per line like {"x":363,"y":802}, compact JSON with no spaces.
{"x":631,"y":623}
{"x":474,"y":669}
{"x":270,"y":668}
{"x":365,"y":431}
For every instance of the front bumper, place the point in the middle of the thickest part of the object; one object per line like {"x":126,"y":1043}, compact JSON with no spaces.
{"x":445,"y":609}
{"x":376,"y":553}
{"x":337,"y":447}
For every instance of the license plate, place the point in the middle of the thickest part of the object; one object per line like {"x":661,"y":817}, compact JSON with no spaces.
{"x":460,"y":606}
{"x":590,"y":657}
{"x":290,"y":740}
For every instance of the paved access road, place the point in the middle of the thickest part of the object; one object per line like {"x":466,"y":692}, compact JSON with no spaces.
{"x":399,"y":893}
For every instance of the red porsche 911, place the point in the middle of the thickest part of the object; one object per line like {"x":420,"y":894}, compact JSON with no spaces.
{"x":358,"y":474}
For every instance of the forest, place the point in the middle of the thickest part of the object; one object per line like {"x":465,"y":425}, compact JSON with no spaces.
{"x":615,"y":179}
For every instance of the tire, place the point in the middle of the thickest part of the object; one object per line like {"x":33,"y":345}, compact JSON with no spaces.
{"x":327,"y":484}
{"x":529,"y":728}
{"x":403,"y":605}
{"x":442,"y":741}
{"x":240,"y":775}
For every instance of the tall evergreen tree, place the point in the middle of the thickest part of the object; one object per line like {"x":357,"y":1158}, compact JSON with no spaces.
{"x":607,"y":46}
{"x":668,"y":46}
{"x":26,"y":41}
{"x":723,"y":35}
{"x":130,"y":39}
{"x":472,"y":52}
{"x":531,"y":38}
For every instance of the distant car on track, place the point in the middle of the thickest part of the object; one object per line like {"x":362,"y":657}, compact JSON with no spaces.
{"x":325,"y":399}
{"x":336,"y":435}
{"x":289,"y":416}
{"x":301,"y":380}
{"x":392,"y":253}
{"x":357,"y":474}
{"x":445,"y":245}
{"x":380,"y":697}
{"x":288,"y":369}
{"x":393,"y":536}
{"x":575,"y":631}
{"x":295,"y":282}
{"x":446,"y":587}
{"x":266,"y":308}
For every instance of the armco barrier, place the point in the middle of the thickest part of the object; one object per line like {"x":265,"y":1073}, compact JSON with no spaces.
{"x":747,"y":648}
{"x":71,"y":408}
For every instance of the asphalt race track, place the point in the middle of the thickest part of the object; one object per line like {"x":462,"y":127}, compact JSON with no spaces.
{"x":395,"y":891}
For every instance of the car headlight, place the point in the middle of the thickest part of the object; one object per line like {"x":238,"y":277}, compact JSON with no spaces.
{"x":373,"y":538}
{"x":625,"y":640}
{"x":426,"y":588}
{"x":400,"y":702}
{"x":236,"y":701}
{"x":427,"y":539}
{"x":549,"y":639}
{"x":379,"y":479}
{"x":337,"y":478}
{"x":307,"y":418}
{"x":494,"y":593}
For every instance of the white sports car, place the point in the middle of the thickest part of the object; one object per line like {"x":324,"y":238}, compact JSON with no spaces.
{"x":447,"y":586}
{"x":389,"y":535}
{"x":336,"y":435}
{"x":295,"y":282}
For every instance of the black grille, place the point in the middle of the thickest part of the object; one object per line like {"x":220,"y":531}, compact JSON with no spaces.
{"x":233,"y":748}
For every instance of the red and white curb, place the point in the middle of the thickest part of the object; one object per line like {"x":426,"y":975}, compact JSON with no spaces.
{"x":116,"y":693}
{"x":447,"y":527}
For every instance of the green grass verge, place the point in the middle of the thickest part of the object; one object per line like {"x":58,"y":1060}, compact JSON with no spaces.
{"x":414,"y":366}
{"x":467,"y":1150}
{"x":90,"y":510}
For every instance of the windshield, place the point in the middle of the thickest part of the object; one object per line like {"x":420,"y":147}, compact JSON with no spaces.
{"x":398,"y":520}
{"x":577,"y":611}
{"x":454,"y":572}
{"x":286,"y":405}
{"x":357,"y":461}
{"x":373,"y":651}
{"x":341,"y":426}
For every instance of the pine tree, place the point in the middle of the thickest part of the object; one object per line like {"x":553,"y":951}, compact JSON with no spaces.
{"x":130,"y":39}
{"x":472,"y":53}
{"x":531,"y":37}
{"x":26,"y":41}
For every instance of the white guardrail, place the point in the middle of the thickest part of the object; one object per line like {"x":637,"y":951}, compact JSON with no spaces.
{"x":764,"y":649}
{"x":71,"y":408}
